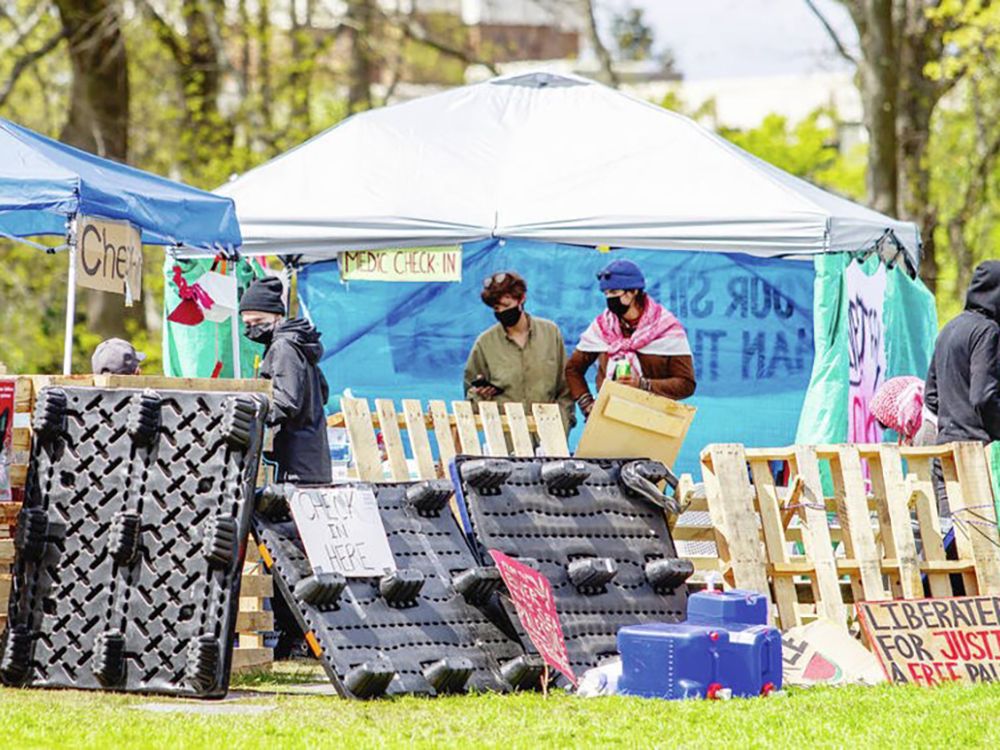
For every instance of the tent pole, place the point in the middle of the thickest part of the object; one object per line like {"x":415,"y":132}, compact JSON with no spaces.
{"x":237,"y":365}
{"x":70,"y":310}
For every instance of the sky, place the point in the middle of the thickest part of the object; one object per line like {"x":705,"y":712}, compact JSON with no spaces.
{"x":731,"y":38}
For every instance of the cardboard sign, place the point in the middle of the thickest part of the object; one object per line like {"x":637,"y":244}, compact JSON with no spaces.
{"x":109,"y":257}
{"x":7,"y":387}
{"x":929,"y":641}
{"x":824,"y":653}
{"x":531,"y":593}
{"x":342,"y":531}
{"x":418,"y":264}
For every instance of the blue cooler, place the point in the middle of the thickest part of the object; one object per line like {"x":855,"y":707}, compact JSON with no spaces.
{"x":723,"y":646}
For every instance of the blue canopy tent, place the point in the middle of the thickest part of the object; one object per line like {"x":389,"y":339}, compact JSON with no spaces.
{"x":45,"y":185}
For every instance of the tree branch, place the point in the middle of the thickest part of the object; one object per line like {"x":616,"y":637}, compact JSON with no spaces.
{"x":831,"y":32}
{"x":166,"y":34}
{"x":416,"y":33}
{"x":27,"y":61}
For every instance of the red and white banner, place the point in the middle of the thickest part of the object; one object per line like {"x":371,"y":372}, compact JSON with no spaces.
{"x":531,"y":593}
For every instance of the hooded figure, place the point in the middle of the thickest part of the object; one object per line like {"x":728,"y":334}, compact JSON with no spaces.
{"x":291,"y":363}
{"x":963,"y":383}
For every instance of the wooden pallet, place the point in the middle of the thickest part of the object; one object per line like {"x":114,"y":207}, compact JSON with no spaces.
{"x":486,"y":433}
{"x":873,"y":539}
{"x":27,"y":388}
{"x":8,"y":524}
{"x":253,"y":621}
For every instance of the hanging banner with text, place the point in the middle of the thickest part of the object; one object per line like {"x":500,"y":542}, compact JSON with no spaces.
{"x":342,"y":531}
{"x":749,"y":321}
{"x":531,"y":593}
{"x":109,"y":257}
{"x":930,"y":641}
{"x":7,"y":390}
{"x":414,"y":264}
{"x":866,"y":339}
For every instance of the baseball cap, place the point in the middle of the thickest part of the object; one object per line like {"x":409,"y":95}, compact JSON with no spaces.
{"x":115,"y":357}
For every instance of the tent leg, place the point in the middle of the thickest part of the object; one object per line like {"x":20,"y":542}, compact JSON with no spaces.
{"x":70,"y":311}
{"x":235,"y":325}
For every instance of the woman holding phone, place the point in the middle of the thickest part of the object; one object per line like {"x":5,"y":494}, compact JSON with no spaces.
{"x":520,"y":359}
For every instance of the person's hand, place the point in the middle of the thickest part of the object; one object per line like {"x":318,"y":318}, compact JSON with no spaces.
{"x":485,"y":392}
{"x":631,"y":380}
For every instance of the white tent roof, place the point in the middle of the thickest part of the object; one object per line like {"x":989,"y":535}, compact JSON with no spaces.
{"x":544,"y":157}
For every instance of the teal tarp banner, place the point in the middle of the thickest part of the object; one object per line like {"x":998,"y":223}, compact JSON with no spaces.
{"x":910,"y":329}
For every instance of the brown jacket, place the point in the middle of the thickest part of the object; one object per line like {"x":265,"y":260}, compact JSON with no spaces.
{"x":672,"y":377}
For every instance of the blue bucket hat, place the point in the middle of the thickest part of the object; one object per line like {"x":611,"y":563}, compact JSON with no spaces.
{"x":621,"y":274}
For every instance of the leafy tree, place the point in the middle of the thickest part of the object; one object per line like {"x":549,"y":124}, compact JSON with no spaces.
{"x":633,"y":36}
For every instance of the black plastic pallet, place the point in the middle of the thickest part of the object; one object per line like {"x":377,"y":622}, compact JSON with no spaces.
{"x":605,"y":549}
{"x":417,"y":631}
{"x":129,"y":544}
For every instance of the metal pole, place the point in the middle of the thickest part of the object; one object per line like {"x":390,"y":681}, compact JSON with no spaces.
{"x":235,"y":323}
{"x":70,"y":310}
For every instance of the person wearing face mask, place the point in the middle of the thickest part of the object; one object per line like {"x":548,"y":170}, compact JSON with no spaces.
{"x":521,"y":358}
{"x":291,"y":362}
{"x":636,"y":338}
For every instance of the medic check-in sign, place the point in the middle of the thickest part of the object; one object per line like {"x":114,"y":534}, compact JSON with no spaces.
{"x":342,"y":531}
{"x":531,"y":593}
{"x":929,"y":641}
{"x":410,"y":264}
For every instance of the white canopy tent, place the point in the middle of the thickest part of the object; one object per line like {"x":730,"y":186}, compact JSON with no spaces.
{"x":541,"y":157}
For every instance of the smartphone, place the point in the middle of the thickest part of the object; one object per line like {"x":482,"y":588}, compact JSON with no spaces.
{"x":481,"y":382}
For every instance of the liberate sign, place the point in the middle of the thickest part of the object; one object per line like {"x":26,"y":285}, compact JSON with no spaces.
{"x":109,"y":256}
{"x":928,"y":641}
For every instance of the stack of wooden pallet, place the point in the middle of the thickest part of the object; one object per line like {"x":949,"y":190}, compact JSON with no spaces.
{"x":8,"y":525}
{"x":254,"y":620}
{"x":512,"y":433}
{"x":876,"y":536}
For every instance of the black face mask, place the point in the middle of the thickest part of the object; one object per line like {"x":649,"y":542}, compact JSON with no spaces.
{"x":616,"y":306}
{"x":508,"y":318}
{"x":261,"y":333}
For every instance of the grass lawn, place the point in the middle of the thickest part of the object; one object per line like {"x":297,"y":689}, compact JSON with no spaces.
{"x":283,"y":717}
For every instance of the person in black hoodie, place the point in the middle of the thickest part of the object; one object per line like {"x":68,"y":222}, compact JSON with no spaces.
{"x":291,"y":362}
{"x":963,"y":383}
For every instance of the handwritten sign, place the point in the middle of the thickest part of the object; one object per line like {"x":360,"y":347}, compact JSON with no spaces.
{"x":929,"y":641}
{"x":824,"y":653}
{"x":109,"y":257}
{"x":531,"y":593}
{"x":866,"y":338}
{"x":342,"y":531}
{"x":417,"y":264}
{"x":7,"y":387}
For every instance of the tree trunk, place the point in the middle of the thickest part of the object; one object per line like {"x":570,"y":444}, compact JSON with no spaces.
{"x":919,"y":44}
{"x":603,"y":56}
{"x":98,"y":113}
{"x":879,"y":76}
{"x":300,"y":78}
{"x":361,"y":28}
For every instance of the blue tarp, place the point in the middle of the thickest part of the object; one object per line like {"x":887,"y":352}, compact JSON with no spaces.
{"x":43,"y":183}
{"x":749,"y":320}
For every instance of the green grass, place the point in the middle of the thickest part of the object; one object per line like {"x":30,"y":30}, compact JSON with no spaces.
{"x":953,"y":716}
